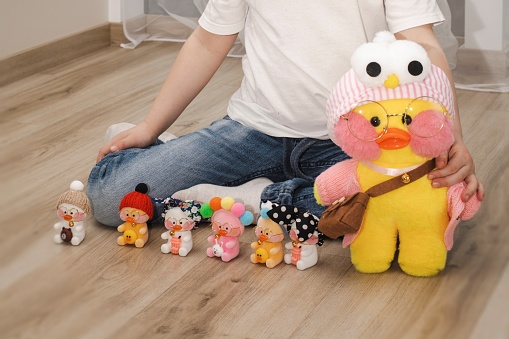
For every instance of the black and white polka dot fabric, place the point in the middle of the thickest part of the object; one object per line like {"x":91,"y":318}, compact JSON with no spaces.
{"x":304,"y":223}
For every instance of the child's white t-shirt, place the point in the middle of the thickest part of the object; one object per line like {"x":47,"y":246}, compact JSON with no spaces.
{"x":296,"y":50}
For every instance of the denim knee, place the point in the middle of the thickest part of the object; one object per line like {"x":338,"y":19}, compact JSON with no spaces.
{"x":102,"y":197}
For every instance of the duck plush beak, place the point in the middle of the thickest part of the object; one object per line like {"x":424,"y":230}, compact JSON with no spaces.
{"x":392,"y":81}
{"x":395,"y":138}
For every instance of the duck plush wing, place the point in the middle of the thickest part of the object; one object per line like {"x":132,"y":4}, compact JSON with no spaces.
{"x":458,"y":210}
{"x":338,"y":181}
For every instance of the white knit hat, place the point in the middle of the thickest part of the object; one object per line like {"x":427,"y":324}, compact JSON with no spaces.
{"x":373,"y":62}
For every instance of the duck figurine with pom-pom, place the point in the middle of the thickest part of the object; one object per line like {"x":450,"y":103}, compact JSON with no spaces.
{"x":135,"y":209}
{"x":73,"y":207}
{"x":228,"y":219}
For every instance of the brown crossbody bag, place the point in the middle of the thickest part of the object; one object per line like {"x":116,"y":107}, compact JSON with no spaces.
{"x":345,"y":216}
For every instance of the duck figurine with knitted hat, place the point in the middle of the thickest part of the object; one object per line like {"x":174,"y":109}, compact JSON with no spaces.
{"x":135,"y":210}
{"x":73,"y":206}
{"x":393,"y":113}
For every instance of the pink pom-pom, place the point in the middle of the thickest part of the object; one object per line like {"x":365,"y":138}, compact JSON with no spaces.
{"x":238,"y":209}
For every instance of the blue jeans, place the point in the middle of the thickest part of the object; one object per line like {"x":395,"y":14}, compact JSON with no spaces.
{"x":226,"y":153}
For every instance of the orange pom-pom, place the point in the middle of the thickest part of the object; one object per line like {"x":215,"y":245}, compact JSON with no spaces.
{"x":215,"y":203}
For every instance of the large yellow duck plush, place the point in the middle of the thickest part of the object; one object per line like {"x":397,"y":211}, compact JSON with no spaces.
{"x":392,"y":112}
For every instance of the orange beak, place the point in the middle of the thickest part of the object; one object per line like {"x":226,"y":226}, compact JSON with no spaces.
{"x":67,"y":217}
{"x":263,"y":237}
{"x":177,"y":228}
{"x":223,"y":233}
{"x":395,"y":138}
{"x":129,"y":219}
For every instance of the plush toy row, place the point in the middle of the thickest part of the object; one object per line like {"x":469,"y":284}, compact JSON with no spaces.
{"x":226,"y":216}
{"x":392,"y":113}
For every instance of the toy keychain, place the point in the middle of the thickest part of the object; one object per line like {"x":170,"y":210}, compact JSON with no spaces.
{"x":268,"y":248}
{"x":303,"y":231}
{"x":73,"y":207}
{"x":180,"y":217}
{"x":228,"y":219}
{"x":136,"y":209}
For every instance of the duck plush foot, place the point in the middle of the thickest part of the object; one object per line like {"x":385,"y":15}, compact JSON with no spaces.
{"x":121,"y":241}
{"x":371,"y":266}
{"x":420,"y":270}
{"x":139,"y":243}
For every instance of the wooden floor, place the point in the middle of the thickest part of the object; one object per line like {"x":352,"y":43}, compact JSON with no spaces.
{"x":52,"y":125}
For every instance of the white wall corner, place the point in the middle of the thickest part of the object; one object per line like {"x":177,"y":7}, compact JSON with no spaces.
{"x":114,"y":11}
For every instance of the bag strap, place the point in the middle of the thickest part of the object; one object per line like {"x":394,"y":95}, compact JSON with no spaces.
{"x":400,"y":181}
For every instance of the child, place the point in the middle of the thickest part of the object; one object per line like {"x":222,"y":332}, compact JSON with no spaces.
{"x":275,"y":130}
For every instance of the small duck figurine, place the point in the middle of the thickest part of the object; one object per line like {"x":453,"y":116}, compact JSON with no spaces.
{"x":180,"y":217}
{"x":228,"y":219}
{"x":73,"y":207}
{"x":135,"y":209}
{"x":268,"y":247}
{"x":302,"y":227}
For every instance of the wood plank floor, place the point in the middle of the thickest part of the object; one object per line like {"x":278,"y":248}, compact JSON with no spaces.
{"x":52,"y":125}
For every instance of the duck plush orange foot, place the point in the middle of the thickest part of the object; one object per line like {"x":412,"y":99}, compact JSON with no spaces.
{"x":392,"y":112}
{"x":136,"y":209}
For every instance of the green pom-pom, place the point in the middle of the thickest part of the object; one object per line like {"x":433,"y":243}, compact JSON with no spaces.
{"x":206,"y":211}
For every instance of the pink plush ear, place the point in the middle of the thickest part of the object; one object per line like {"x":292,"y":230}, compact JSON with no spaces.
{"x":435,"y":145}
{"x":293,"y":235}
{"x":313,"y":240}
{"x":357,"y":149}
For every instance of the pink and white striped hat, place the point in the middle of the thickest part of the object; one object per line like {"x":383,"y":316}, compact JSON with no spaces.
{"x":374,"y":63}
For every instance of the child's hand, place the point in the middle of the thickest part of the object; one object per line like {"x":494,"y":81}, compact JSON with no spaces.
{"x":455,"y":167}
{"x":138,"y":136}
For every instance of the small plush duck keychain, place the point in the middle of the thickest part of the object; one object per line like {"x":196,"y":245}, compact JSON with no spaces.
{"x":136,"y":209}
{"x":73,"y":207}
{"x":180,"y":218}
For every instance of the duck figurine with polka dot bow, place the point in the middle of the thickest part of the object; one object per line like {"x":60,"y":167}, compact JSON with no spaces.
{"x":302,"y":227}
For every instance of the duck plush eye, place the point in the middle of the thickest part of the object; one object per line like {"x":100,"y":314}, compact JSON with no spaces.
{"x":371,"y":64}
{"x":373,"y":69}
{"x":375,"y":121}
{"x":415,"y":68}
{"x":406,"y":119}
{"x":411,"y":62}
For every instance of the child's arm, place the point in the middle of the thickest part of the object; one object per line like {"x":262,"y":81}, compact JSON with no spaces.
{"x":196,"y":63}
{"x":457,"y":165}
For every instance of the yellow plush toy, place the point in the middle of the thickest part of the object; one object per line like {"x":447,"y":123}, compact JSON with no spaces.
{"x":392,"y":112}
